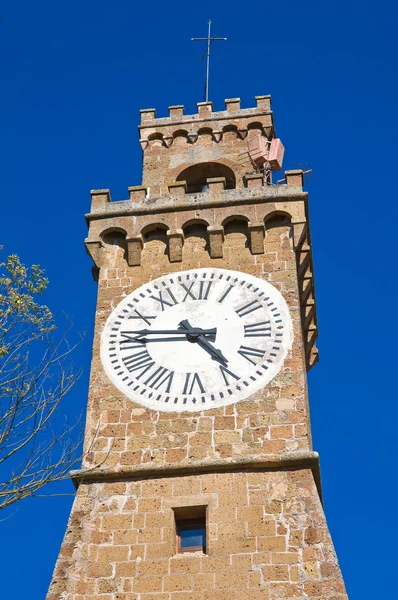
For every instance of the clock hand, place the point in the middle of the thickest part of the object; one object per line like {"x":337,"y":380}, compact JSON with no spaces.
{"x":194,"y":331}
{"x":202,"y":342}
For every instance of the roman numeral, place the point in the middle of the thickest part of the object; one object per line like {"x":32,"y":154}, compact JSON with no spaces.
{"x":204,"y":289}
{"x":225,"y":372}
{"x":161,"y":376}
{"x":140,"y":316}
{"x":247,"y":352}
{"x":260,"y":329}
{"x":248,"y":308}
{"x":225,"y":294}
{"x":129,"y":342}
{"x":164,"y":302}
{"x":141,"y":361}
{"x":190,"y":384}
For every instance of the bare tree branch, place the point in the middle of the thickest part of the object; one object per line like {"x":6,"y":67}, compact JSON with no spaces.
{"x":36,"y":374}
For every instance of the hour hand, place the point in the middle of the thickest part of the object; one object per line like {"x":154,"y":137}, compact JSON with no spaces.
{"x":202,"y":342}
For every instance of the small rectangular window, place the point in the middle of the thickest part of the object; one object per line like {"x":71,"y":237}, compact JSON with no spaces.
{"x":190,"y":529}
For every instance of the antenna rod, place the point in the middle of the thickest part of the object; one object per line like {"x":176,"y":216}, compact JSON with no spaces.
{"x":209,"y":41}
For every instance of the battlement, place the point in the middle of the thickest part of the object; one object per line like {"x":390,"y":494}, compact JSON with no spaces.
{"x":206,"y":122}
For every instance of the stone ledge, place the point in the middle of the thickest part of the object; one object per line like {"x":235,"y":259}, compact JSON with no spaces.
{"x":197,"y":200}
{"x":289,"y":460}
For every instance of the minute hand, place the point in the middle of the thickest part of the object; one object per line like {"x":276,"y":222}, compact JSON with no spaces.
{"x":201,"y":341}
{"x":195,"y":331}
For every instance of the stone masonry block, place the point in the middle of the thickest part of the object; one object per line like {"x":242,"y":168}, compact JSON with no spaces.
{"x":256,"y":233}
{"x":216,"y":237}
{"x":176,"y":241}
{"x":134,"y":249}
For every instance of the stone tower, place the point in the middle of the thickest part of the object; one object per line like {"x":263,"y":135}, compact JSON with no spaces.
{"x":223,"y":502}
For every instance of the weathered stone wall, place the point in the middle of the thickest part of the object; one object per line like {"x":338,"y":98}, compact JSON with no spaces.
{"x":272,"y":421}
{"x":267,"y":540}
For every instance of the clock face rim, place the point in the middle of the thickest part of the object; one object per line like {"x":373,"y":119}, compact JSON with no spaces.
{"x":268,"y":371}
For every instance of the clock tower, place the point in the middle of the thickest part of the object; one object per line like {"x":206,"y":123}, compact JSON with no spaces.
{"x":199,"y":481}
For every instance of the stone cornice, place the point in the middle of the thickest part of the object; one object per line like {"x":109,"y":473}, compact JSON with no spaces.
{"x":173,"y":203}
{"x":291,"y":460}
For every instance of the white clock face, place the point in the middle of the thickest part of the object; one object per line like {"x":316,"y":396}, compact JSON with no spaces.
{"x":196,"y":340}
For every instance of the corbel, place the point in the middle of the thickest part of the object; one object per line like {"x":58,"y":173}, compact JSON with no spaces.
{"x":167,"y":140}
{"x":313,"y":358}
{"x":303,"y":259}
{"x":217,"y":136}
{"x":216,"y":239}
{"x":192,"y":138}
{"x":256,"y":234}
{"x":144,"y":144}
{"x":176,"y":242}
{"x":134,"y":250}
{"x":299,"y":232}
{"x":95,"y":250}
{"x":242,"y":133}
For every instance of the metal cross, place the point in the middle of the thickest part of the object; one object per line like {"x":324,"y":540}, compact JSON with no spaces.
{"x":209,"y":41}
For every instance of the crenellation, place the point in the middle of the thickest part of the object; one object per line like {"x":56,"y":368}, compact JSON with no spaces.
{"x":177,"y":188}
{"x":205,"y":110}
{"x":263,"y":102}
{"x":147,"y":114}
{"x":100,"y":198}
{"x":232,"y":104}
{"x":137,"y":193}
{"x":176,"y":112}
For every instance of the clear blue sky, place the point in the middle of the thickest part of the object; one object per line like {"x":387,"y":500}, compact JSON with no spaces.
{"x":73,"y":78}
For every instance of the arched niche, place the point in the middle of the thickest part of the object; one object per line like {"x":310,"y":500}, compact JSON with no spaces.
{"x":114,"y":247}
{"x":155,"y":244}
{"x":230,"y":133}
{"x":196,"y":239}
{"x":155,"y":139}
{"x":278,"y":230}
{"x":255,"y":128}
{"x":196,"y":175}
{"x":180,"y":137}
{"x":205,"y":135}
{"x":236,"y":232}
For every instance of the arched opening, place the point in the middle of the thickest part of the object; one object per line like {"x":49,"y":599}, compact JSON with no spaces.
{"x":196,"y":176}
